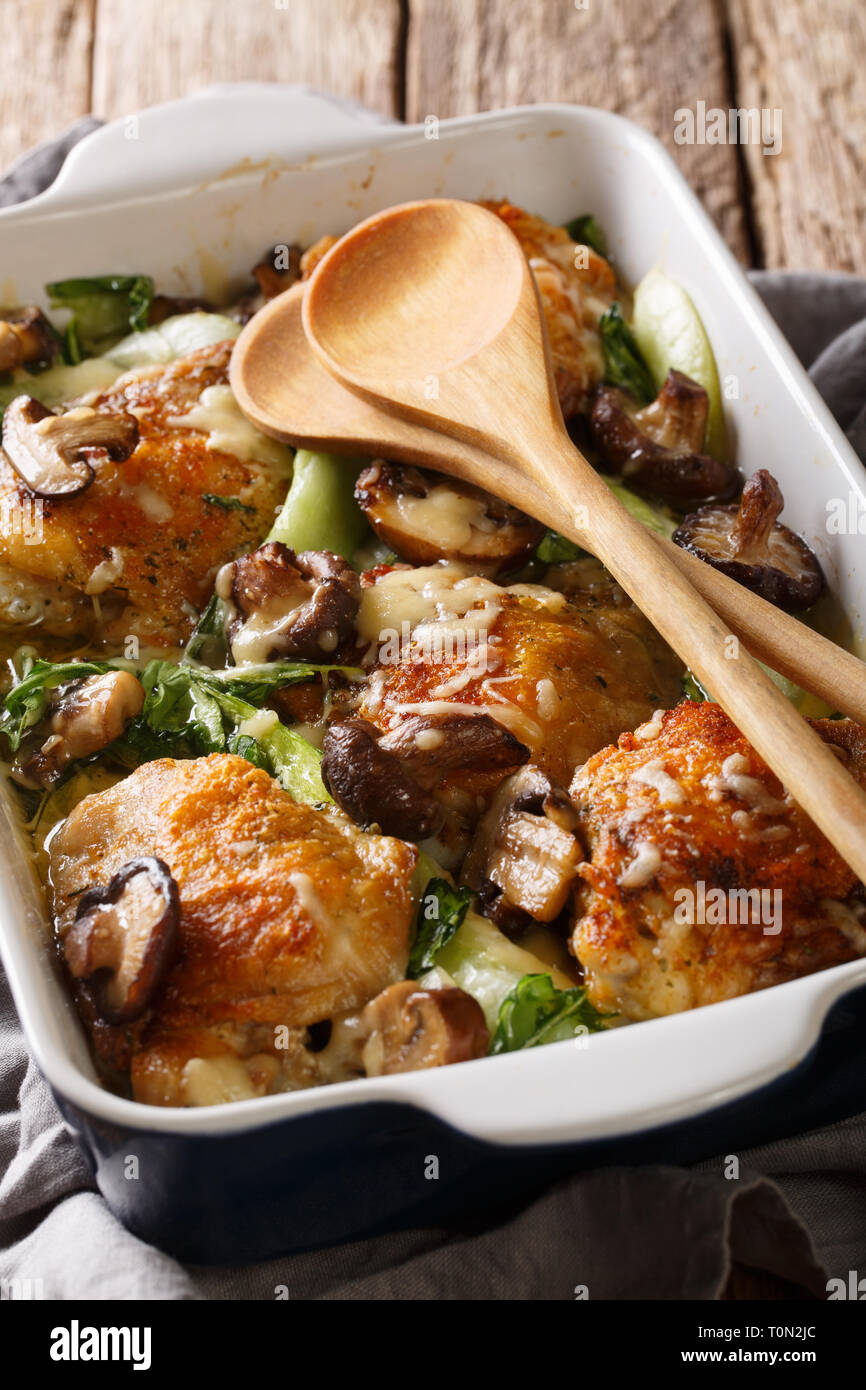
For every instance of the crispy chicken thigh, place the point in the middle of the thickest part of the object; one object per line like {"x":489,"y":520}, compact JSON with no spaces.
{"x":563,"y":675}
{"x":289,"y":915}
{"x":703,"y":879}
{"x":576,"y":286}
{"x":143,"y":540}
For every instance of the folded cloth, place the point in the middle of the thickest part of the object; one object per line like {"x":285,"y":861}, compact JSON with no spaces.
{"x":797,"y":1209}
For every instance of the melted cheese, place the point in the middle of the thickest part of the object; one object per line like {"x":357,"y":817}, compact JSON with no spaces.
{"x":450,"y":516}
{"x":643,"y":867}
{"x":653,"y":774}
{"x":228,"y":430}
{"x":433,"y":593}
{"x":735,"y":779}
{"x":105,"y":574}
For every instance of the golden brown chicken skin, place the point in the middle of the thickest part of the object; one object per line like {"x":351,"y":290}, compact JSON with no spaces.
{"x":143,"y":539}
{"x":289,"y":915}
{"x":683,"y":820}
{"x":576,"y":286}
{"x":563,"y":676}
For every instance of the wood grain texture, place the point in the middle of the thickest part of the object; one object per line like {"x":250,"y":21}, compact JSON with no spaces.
{"x":809,"y":61}
{"x":147,"y":51}
{"x":44,"y":70}
{"x":645,"y":59}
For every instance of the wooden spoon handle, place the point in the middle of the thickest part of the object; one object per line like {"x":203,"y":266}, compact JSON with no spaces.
{"x":778,"y":639}
{"x":772,"y":636}
{"x":800,"y":759}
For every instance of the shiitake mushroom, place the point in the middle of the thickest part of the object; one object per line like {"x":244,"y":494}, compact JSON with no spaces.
{"x":747,"y":542}
{"x":426,"y":517}
{"x":656,"y":449}
{"x":124,"y":938}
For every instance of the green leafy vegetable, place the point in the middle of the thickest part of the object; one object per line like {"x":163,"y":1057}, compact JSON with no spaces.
{"x":259,"y":680}
{"x":440,"y":913}
{"x":103,"y":308}
{"x":27,"y":701}
{"x":228,"y":504}
{"x":536,"y":1012}
{"x":555,"y":549}
{"x":653,"y":515}
{"x":623,"y":364}
{"x":692,"y":688}
{"x":189,"y":713}
{"x":175,"y":337}
{"x":588,"y":232}
{"x":208,"y":643}
{"x":320,"y":511}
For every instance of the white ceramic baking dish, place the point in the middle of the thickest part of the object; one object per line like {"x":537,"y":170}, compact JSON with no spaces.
{"x":192,"y":193}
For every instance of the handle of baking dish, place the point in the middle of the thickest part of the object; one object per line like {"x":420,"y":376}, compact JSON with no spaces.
{"x":224,"y":130}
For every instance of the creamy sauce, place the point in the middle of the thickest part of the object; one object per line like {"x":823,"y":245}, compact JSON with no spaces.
{"x":228,"y":430}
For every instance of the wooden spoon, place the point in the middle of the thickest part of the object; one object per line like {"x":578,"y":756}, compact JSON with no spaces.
{"x":285,"y":391}
{"x":430,"y":311}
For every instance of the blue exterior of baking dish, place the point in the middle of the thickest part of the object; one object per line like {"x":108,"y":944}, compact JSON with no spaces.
{"x":332,"y":1176}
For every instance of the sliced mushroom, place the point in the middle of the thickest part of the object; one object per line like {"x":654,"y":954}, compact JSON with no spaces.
{"x":86,"y":716}
{"x":411,"y":1029}
{"x":657,"y":449}
{"x":300,"y":606}
{"x":525,"y":854}
{"x":426,"y":517}
{"x":748,"y":543}
{"x":53,"y":454}
{"x":432,"y":744}
{"x":26,"y":338}
{"x":124,"y":938}
{"x":372,"y":786}
{"x":387,"y":778}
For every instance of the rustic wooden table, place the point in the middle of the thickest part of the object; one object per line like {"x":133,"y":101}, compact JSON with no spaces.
{"x":801,"y":207}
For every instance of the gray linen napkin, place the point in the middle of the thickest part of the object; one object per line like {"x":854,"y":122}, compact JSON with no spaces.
{"x":798,"y":1209}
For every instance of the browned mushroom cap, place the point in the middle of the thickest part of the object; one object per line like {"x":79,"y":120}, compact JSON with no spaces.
{"x":53,"y":454}
{"x":124,"y":938}
{"x":301,"y":606}
{"x":657,"y":448}
{"x":431,"y":744}
{"x":372,"y":786}
{"x":86,"y":716}
{"x":387,"y":778}
{"x":525,"y":854}
{"x":410,"y":1029}
{"x":26,"y":338}
{"x":748,"y":543}
{"x":426,"y":517}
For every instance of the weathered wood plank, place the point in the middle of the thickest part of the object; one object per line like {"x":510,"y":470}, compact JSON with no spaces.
{"x":645,"y":59}
{"x":808,"y":62}
{"x":148,"y":51}
{"x":45,"y":70}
